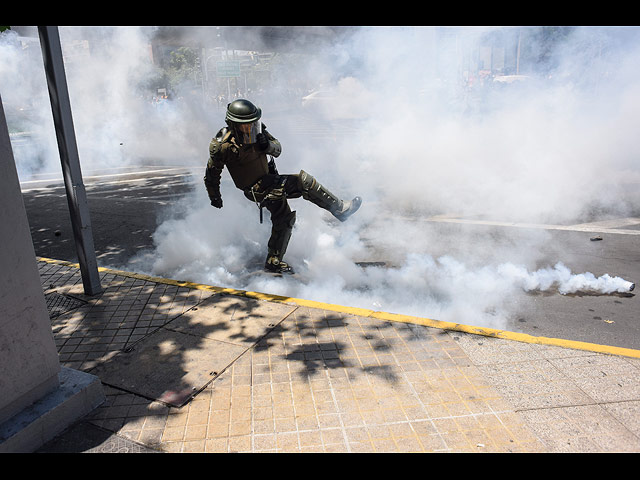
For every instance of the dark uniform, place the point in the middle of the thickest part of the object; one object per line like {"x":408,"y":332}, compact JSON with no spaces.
{"x":243,"y":147}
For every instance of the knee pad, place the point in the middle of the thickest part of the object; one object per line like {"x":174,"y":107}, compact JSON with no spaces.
{"x":316,"y":193}
{"x":307,"y":183}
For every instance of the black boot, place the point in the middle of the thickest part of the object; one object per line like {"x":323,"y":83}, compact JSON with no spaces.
{"x":283,"y":221}
{"x":348,"y":209}
{"x":274,"y":265}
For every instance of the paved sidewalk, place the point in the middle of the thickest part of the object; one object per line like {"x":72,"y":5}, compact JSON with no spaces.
{"x":196,"y":368}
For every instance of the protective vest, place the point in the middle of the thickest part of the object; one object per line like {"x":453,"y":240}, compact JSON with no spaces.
{"x":246,"y":163}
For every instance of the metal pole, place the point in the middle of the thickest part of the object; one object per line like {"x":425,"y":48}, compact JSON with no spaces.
{"x":65,"y":134}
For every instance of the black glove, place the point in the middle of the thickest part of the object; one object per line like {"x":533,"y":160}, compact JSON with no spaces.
{"x":262,"y":141}
{"x":216,"y":202}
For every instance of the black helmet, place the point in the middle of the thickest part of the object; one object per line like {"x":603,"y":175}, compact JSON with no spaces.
{"x":242,"y":111}
{"x":243,"y":117}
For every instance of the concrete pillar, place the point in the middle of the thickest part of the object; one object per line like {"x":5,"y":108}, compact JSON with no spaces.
{"x":38,"y":398}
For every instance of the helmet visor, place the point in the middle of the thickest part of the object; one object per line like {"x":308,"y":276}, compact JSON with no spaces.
{"x":248,"y":132}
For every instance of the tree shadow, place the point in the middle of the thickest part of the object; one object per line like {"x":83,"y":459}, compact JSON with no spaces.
{"x":339,"y":344}
{"x":124,"y":330}
{"x":153,"y":340}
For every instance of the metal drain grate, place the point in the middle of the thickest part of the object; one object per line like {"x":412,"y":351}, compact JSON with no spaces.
{"x":58,"y":304}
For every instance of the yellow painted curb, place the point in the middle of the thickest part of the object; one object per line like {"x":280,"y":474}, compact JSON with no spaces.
{"x":363,"y":312}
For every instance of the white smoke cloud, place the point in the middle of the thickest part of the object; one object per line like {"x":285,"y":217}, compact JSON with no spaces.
{"x":561,"y":278}
{"x":26,"y":105}
{"x":403,"y":132}
{"x":115,"y":121}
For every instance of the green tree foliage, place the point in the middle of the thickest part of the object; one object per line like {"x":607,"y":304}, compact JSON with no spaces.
{"x":183,"y":67}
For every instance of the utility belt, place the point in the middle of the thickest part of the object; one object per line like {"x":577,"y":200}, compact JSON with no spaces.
{"x":266,"y":190}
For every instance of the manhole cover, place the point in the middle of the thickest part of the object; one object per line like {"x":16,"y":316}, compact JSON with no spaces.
{"x":58,"y":304}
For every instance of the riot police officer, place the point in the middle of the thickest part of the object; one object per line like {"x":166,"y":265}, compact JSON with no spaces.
{"x":243,"y":146}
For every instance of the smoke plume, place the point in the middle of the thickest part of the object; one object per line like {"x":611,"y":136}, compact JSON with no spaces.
{"x":411,"y":126}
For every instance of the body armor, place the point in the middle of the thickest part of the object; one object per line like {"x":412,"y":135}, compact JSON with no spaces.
{"x":244,"y":153}
{"x":246,"y":163}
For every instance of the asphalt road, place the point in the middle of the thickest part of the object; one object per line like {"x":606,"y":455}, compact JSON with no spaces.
{"x":127,"y":206}
{"x":612,"y":319}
